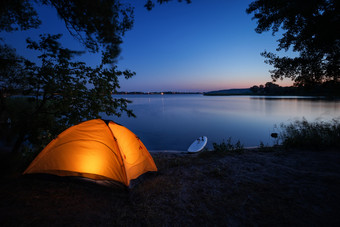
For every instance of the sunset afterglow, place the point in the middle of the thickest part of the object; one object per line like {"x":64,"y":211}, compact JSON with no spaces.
{"x":206,"y":46}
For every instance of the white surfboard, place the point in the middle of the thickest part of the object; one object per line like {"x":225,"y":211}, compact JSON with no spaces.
{"x":198,"y":144}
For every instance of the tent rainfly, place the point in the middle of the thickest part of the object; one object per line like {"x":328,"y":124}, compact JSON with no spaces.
{"x":97,"y":150}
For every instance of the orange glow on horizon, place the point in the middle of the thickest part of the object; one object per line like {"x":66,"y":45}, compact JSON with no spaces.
{"x":224,"y":85}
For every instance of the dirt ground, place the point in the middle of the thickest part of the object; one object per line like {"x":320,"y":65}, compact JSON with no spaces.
{"x":278,"y":188}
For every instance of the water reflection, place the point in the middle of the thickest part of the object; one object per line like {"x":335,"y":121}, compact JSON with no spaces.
{"x":174,"y":121}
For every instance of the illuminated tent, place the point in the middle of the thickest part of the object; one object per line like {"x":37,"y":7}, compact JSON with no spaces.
{"x":95,"y":149}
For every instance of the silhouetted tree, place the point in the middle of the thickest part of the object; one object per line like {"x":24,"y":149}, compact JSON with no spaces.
{"x":18,"y":14}
{"x":60,"y":91}
{"x":150,"y":4}
{"x":271,"y":88}
{"x":98,"y":24}
{"x":311,"y":28}
{"x":255,"y":89}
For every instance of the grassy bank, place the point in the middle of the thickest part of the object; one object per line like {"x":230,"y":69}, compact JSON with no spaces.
{"x":316,"y":135}
{"x":237,"y":188}
{"x":291,"y":185}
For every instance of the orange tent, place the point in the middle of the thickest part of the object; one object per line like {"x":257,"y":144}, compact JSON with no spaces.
{"x":97,"y":150}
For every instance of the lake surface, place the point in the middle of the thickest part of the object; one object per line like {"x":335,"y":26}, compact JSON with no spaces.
{"x":173,"y":122}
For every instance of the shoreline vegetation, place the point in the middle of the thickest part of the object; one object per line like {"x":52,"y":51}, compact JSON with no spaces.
{"x":295,"y":183}
{"x":330,"y":90}
{"x":326,"y":89}
{"x":156,"y":93}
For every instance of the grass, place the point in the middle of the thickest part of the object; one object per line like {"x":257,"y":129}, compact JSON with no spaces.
{"x":265,"y":148}
{"x":222,"y":149}
{"x":311,"y":135}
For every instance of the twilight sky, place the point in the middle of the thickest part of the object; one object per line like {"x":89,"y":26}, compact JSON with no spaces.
{"x":202,"y":46}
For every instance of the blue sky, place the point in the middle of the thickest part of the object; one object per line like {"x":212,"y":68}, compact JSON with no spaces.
{"x":202,"y":46}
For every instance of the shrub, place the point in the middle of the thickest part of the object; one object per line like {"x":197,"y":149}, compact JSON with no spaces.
{"x":227,"y":147}
{"x":265,"y":148}
{"x":223,"y":148}
{"x":313,"y":135}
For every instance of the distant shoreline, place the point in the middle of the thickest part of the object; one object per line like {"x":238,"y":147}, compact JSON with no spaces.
{"x":271,"y":89}
{"x":265,"y":96}
{"x":157,"y":93}
{"x":273,"y":96}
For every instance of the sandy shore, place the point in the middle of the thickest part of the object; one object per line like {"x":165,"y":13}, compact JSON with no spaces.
{"x":279,"y":188}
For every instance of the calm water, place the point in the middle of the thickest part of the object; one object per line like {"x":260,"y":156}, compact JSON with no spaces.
{"x":172,"y":122}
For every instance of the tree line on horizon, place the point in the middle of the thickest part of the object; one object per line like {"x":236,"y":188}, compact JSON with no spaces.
{"x":327,"y":89}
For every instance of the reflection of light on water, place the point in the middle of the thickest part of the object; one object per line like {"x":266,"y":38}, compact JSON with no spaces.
{"x":246,"y":118}
{"x":163,"y":109}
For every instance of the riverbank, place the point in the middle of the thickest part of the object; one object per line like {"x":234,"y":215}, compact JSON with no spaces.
{"x":252,"y":187}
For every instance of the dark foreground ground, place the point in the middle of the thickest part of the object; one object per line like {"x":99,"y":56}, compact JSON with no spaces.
{"x":281,"y":188}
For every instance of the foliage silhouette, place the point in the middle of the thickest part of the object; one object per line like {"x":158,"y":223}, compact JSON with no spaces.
{"x":99,"y":25}
{"x":317,"y":135}
{"x":311,"y":29}
{"x":60,"y":91}
{"x":150,"y":4}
